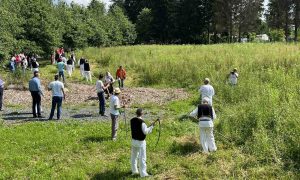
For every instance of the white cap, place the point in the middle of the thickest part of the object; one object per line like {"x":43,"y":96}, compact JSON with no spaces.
{"x":205,"y":100}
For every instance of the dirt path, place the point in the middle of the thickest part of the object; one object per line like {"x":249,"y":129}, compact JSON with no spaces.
{"x":80,"y":93}
{"x":82,"y":102}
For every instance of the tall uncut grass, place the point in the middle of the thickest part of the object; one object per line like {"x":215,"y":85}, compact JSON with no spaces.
{"x":260,"y":115}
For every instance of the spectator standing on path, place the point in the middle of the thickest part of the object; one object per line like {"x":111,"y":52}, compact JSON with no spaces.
{"x":70,"y":66}
{"x":61,"y":68}
{"x":114,"y":113}
{"x":73,"y":60}
{"x":139,"y":130}
{"x":207,"y":90}
{"x":100,"y":92}
{"x":233,"y":77}
{"x":35,"y":65}
{"x":204,"y":112}
{"x":81,"y":64}
{"x":58,"y":94}
{"x":87,"y":71}
{"x":121,"y":76}
{"x":24,"y":65}
{"x":36,"y":92}
{"x":12,"y":64}
{"x":1,"y":92}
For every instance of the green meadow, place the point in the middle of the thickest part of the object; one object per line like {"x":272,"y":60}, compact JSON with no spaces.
{"x":257,"y":131}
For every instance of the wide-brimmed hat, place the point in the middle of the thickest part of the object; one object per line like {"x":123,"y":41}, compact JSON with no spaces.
{"x":117,"y":91}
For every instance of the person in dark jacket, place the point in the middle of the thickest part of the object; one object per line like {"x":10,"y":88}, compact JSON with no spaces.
{"x":139,"y":130}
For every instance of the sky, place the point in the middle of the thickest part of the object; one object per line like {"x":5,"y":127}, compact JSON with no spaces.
{"x":107,"y":2}
{"x":86,"y":2}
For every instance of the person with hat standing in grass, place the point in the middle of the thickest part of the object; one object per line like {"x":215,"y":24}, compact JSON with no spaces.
{"x":207,"y":90}
{"x":115,"y":112}
{"x":233,"y":77}
{"x":204,"y":112}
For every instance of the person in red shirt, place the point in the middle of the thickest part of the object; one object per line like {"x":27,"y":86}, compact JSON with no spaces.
{"x":121,"y":76}
{"x":18,"y":60}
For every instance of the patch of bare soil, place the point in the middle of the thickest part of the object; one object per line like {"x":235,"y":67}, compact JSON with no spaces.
{"x":80,"y":93}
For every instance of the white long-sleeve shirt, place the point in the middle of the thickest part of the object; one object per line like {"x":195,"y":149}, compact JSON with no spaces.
{"x":233,"y":78}
{"x":146,"y":130}
{"x":207,"y":91}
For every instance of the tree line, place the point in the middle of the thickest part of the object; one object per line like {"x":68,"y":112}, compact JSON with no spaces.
{"x":211,"y":21}
{"x":39,"y":26}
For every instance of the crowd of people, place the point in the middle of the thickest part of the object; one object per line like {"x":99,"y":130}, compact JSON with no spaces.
{"x":204,"y":112}
{"x":23,"y":61}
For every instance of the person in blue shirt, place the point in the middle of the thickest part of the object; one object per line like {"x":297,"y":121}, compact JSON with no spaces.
{"x":36,"y":92}
{"x":61,"y":68}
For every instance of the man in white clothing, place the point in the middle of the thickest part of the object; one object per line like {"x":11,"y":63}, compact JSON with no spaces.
{"x":139,"y":130}
{"x":114,"y":113}
{"x":204,"y":112}
{"x":233,"y":77}
{"x":207,"y":90}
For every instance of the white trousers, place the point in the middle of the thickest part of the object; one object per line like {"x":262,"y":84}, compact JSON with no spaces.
{"x":139,"y":154}
{"x":82,"y":70}
{"x":88,"y":75}
{"x":207,"y":139}
{"x":70,"y":69}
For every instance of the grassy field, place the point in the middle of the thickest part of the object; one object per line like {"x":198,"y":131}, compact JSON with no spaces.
{"x":257,"y":130}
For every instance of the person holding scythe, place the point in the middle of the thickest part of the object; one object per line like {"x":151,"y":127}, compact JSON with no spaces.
{"x":139,"y":130}
{"x":204,"y":112}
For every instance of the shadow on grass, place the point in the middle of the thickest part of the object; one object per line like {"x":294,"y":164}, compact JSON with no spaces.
{"x":13,"y":118}
{"x":96,"y":139}
{"x":187,"y":117}
{"x":91,"y":99}
{"x":23,"y":116}
{"x":184,"y":148}
{"x":77,"y":116}
{"x":16,"y":113}
{"x":113,"y":174}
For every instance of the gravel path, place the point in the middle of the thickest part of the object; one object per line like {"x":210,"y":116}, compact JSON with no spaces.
{"x":82,"y":103}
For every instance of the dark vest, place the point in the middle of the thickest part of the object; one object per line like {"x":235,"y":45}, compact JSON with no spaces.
{"x":205,"y":110}
{"x":34,"y":64}
{"x":86,"y":67}
{"x":81,"y":61}
{"x":136,"y":129}
{"x":70,"y":62}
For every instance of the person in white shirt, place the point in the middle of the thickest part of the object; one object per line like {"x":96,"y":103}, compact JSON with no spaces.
{"x":204,"y":112}
{"x":207,"y":90}
{"x":100,"y":92}
{"x":233,"y":77}
{"x":115,"y":112}
{"x":109,"y":80}
{"x":139,"y":130}
{"x":58,"y":94}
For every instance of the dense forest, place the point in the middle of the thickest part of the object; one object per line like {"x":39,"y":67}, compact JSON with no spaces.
{"x":40,"y":26}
